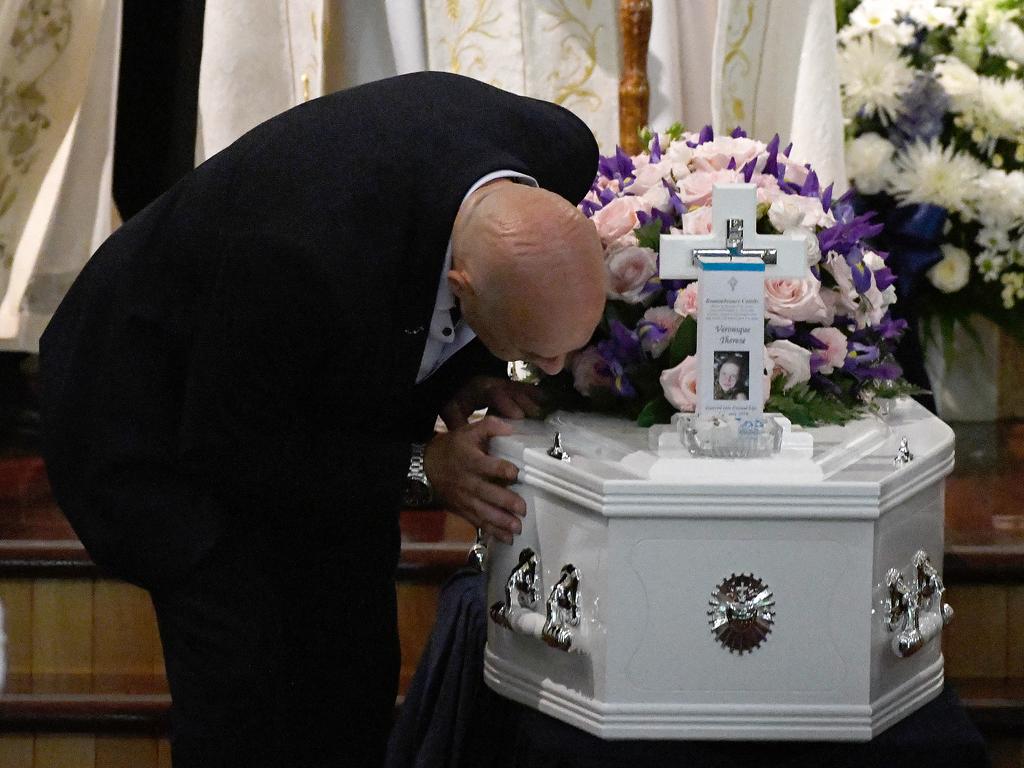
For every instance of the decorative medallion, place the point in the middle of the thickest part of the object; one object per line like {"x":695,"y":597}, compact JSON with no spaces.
{"x":742,"y":612}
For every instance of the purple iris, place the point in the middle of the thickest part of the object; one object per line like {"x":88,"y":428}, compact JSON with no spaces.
{"x":706,"y":134}
{"x":845,"y":235}
{"x":620,"y":166}
{"x":655,"y":149}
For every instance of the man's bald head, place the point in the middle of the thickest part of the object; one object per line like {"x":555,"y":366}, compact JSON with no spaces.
{"x":528,"y":269}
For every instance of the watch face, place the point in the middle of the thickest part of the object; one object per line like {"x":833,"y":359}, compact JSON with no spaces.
{"x":417,"y":493}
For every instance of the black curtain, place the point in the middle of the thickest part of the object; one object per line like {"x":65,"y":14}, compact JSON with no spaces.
{"x":154,"y":145}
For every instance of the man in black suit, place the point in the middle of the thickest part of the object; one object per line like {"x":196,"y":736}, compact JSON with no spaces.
{"x":232,"y":388}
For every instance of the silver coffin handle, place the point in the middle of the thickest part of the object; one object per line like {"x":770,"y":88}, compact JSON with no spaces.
{"x":915,"y":611}
{"x":521,"y":589}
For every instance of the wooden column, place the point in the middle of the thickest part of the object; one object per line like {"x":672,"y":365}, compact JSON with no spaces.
{"x":634,"y":92}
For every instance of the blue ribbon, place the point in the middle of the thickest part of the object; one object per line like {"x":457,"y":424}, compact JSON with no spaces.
{"x":913,"y":234}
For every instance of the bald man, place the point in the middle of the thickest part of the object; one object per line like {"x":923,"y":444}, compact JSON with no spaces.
{"x":244,"y":380}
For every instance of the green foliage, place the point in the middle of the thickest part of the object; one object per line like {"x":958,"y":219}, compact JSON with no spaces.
{"x":684,"y":343}
{"x":649,"y":235}
{"x":657,"y":411}
{"x":803,"y":406}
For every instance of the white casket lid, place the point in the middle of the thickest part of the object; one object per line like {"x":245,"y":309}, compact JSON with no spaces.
{"x":620,"y":469}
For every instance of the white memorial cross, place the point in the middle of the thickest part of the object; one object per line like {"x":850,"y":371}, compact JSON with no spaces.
{"x":731,"y":264}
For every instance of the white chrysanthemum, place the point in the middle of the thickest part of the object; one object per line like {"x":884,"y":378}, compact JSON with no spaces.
{"x":1000,"y":199}
{"x":930,"y":15}
{"x":953,"y":272}
{"x":931,"y":173}
{"x":874,"y":78}
{"x":990,"y":264}
{"x":1000,"y":109}
{"x":1008,"y":41}
{"x":1013,"y":288}
{"x":993,"y":239}
{"x":869,"y":162}
{"x":960,"y":82}
{"x":882,"y":20}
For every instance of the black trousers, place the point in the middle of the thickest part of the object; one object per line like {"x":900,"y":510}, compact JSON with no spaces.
{"x":281,"y":661}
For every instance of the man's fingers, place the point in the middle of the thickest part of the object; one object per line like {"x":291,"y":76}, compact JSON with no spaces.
{"x":497,"y":522}
{"x":490,"y":426}
{"x":505,"y":404}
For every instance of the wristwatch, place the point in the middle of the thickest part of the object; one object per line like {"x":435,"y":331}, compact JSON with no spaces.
{"x":418,"y":491}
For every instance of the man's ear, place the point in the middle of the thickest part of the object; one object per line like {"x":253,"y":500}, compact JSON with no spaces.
{"x":460,"y":283}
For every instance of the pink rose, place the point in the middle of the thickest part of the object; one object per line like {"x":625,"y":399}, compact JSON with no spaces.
{"x":787,"y":358}
{"x":656,"y":197}
{"x":629,"y":269}
{"x":697,"y":221}
{"x":687,"y":301}
{"x":679,"y":154}
{"x":666,"y":320}
{"x":590,"y":372}
{"x":649,"y":176}
{"x":788,"y":300}
{"x":696,"y":188}
{"x":717,"y":153}
{"x":767,"y":187}
{"x":617,"y":218}
{"x":834,"y":354}
{"x":680,"y":384}
{"x":796,"y":172}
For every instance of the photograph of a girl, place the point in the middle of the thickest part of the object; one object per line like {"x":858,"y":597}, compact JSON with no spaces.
{"x":731,"y":375}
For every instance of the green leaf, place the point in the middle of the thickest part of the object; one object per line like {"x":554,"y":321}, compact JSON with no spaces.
{"x":675,"y":131}
{"x":649,"y":235}
{"x":802,"y":405}
{"x":684,"y":343}
{"x":657,"y":411}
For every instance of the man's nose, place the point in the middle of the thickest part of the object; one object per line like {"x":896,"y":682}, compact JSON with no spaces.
{"x":550,"y":365}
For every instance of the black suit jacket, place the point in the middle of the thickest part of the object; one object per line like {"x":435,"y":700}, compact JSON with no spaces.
{"x":243,"y":352}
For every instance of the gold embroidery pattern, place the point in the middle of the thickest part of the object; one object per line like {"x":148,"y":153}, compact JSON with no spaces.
{"x":41,"y":34}
{"x":465,"y":53}
{"x":736,"y":66}
{"x":575,"y":67}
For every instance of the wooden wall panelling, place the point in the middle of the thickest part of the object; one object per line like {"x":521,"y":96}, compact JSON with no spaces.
{"x":975,"y":644}
{"x":1015,"y":631}
{"x":63,"y":751}
{"x":417,"y":609}
{"x":16,"y":596}
{"x":126,"y":642}
{"x":126,"y":752}
{"x":16,"y":750}
{"x":62,"y":635}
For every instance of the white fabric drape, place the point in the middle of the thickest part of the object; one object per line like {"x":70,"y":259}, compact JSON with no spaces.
{"x":775,"y":70}
{"x":564,"y":51}
{"x":62,"y":64}
{"x":258,"y":59}
{"x":679,"y":63}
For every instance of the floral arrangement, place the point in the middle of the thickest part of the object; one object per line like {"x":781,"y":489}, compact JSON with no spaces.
{"x":829,"y":338}
{"x":934,"y":94}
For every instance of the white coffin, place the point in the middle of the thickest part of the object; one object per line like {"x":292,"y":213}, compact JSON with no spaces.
{"x":652,"y":532}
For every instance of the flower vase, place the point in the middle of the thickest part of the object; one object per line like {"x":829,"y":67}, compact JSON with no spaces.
{"x":967,"y":387}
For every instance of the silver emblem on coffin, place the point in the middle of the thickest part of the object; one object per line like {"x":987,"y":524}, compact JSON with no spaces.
{"x":742,"y":613}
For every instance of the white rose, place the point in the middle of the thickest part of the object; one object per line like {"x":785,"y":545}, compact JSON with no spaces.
{"x":790,"y":359}
{"x":869,"y":162}
{"x":953,"y":272}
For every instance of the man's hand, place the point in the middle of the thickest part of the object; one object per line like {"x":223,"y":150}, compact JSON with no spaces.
{"x":472,"y":484}
{"x":501,"y":397}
